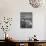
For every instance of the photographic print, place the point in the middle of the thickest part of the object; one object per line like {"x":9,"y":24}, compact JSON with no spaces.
{"x":26,"y":19}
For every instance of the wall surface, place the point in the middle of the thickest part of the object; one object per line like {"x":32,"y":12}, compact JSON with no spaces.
{"x":12,"y":8}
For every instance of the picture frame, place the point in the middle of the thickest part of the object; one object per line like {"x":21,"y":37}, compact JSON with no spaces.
{"x":26,"y":19}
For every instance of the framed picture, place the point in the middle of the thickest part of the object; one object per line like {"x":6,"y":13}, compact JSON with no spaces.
{"x":26,"y":19}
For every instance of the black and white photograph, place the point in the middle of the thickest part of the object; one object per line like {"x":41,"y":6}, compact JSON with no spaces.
{"x":26,"y":19}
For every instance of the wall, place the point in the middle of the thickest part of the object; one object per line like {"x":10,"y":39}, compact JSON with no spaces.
{"x":12,"y":8}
